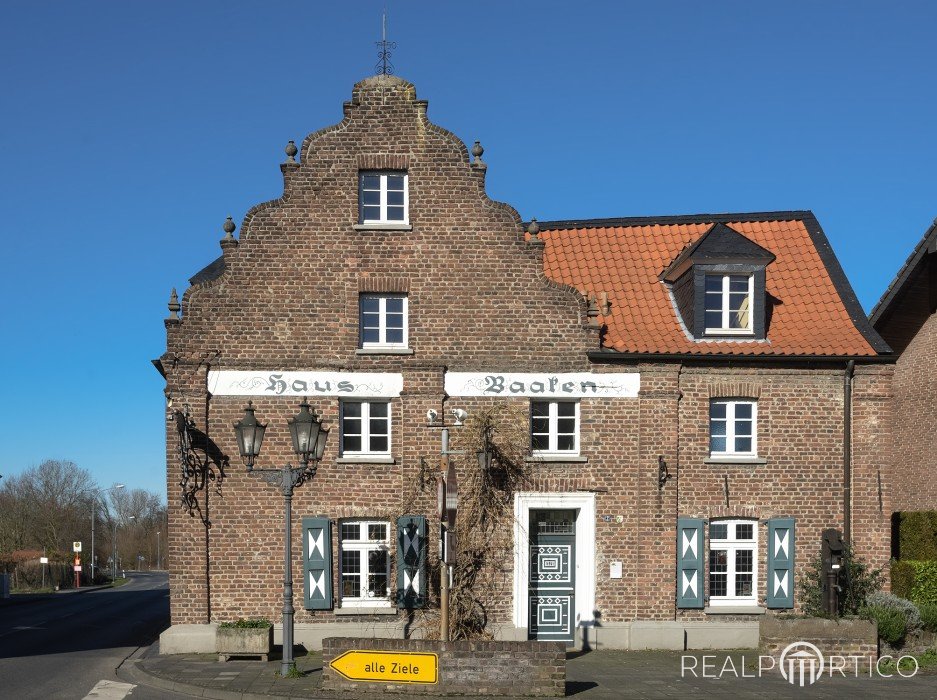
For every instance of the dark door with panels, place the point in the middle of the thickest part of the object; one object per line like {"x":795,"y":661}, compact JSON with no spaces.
{"x":552,"y":577}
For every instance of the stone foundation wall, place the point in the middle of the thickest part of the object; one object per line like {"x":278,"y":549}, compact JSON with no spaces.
{"x":855,"y":641}
{"x":465,"y":668}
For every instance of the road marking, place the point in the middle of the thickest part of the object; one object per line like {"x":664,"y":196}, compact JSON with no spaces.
{"x":111,"y":690}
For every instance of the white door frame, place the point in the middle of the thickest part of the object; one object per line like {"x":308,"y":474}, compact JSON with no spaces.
{"x":524,"y":502}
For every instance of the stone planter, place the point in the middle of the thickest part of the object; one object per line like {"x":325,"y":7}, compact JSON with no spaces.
{"x":244,"y":641}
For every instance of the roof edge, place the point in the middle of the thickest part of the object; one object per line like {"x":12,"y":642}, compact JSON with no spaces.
{"x":884,"y":305}
{"x":725,"y":218}
{"x":625,"y":356}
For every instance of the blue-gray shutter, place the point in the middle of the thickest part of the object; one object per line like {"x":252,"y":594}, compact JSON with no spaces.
{"x":780,"y":563}
{"x":411,"y":561}
{"x":317,"y":563}
{"x":689,"y":563}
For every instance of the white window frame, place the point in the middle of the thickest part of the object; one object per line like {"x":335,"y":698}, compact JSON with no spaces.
{"x":363,"y":547}
{"x":552,"y":451}
{"x":725,"y":329}
{"x":382,"y":322}
{"x":365,"y":450}
{"x":730,"y":435}
{"x":383,"y":175}
{"x":731,"y":545}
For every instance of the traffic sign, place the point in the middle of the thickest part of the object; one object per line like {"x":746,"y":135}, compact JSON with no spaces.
{"x":76,"y":546}
{"x":78,"y":567}
{"x":387,"y":666}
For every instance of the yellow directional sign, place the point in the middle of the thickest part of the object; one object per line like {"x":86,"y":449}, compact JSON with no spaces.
{"x":387,"y":666}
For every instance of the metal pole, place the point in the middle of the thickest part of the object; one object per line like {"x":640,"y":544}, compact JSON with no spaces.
{"x":114,"y":553}
{"x":93,"y":505}
{"x":443,"y":566}
{"x":157,"y":550}
{"x":288,"y":665}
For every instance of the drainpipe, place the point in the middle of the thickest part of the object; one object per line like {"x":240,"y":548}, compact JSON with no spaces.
{"x":847,"y":450}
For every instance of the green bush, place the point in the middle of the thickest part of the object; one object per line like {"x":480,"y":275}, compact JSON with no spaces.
{"x":857,"y":582}
{"x":929,"y":617}
{"x":912,"y":613}
{"x":915,"y":580}
{"x":892,"y":623}
{"x":917,"y":535}
{"x":241,"y":623}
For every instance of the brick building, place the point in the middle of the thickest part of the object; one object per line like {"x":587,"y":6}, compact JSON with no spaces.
{"x":689,"y":387}
{"x":904,"y":317}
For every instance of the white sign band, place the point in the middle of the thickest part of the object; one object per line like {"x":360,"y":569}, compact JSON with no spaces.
{"x":571,"y":385}
{"x":364,"y":384}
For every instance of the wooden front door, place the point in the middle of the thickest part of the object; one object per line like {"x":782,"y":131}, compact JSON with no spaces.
{"x":552,"y":580}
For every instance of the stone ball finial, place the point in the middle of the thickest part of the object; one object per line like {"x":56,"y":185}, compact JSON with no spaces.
{"x":477,"y":151}
{"x":533,"y":228}
{"x":228,"y":229}
{"x":173,"y":305}
{"x":291,"y":151}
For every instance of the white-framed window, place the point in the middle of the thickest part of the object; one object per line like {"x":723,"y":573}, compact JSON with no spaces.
{"x":728,"y":304}
{"x":364,"y":549}
{"x":365,"y":428}
{"x":554,"y":427}
{"x":383,"y":197}
{"x":383,"y":320}
{"x":733,"y":428}
{"x":733,"y":569}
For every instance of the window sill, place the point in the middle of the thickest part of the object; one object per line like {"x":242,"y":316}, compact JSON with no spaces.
{"x":382,"y":227}
{"x":734,"y":610}
{"x":553,"y":459}
{"x":367,"y":610}
{"x":366,"y":459}
{"x":384,"y":351}
{"x":735,"y":460}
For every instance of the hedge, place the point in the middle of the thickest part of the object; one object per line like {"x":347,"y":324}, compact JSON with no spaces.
{"x":917,"y":535}
{"x":915,"y":580}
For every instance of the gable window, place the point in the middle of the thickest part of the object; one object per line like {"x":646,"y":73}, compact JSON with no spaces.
{"x":383,"y":197}
{"x":732,"y":428}
{"x":728,"y":304}
{"x":733,"y":576}
{"x":383,"y":320}
{"x":554,"y":427}
{"x":365,"y":563}
{"x":365,"y":428}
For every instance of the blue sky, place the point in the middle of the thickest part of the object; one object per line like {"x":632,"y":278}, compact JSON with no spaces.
{"x":130,"y":130}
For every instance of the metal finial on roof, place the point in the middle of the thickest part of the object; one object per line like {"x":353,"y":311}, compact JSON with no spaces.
{"x":228,"y":229}
{"x":533,"y":228}
{"x":384,"y":66}
{"x":477,"y":151}
{"x":173,"y":305}
{"x":291,"y":151}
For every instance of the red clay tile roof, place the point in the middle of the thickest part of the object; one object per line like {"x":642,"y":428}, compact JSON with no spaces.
{"x":816,"y":312}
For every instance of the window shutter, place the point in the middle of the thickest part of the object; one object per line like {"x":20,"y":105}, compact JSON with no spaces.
{"x":689,"y":563}
{"x":317,"y":563}
{"x":780,"y":563}
{"x":411,"y":561}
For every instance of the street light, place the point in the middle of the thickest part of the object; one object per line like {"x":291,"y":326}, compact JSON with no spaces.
{"x":308,"y":438}
{"x":94,"y":507}
{"x":129,"y":517}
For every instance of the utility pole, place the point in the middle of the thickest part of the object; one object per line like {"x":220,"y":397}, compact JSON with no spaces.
{"x":443,"y":564}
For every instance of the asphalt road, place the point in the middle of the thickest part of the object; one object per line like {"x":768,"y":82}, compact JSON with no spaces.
{"x":67,"y":644}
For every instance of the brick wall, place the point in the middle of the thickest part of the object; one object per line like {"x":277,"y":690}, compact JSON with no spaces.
{"x":915,"y":468}
{"x":465,"y":668}
{"x":846,"y":639}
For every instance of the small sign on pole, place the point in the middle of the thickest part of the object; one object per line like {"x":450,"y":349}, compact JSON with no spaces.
{"x":43,"y":560}
{"x":76,"y":546}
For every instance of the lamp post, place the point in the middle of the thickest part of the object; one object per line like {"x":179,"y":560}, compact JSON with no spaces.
{"x":94,"y":508}
{"x":131,"y":517}
{"x":157,"y":550}
{"x":309,"y":445}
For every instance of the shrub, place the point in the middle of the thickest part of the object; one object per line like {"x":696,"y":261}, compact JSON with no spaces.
{"x":892,"y":623}
{"x":241,"y":623}
{"x":911,"y":611}
{"x":857,"y":582}
{"x":929,"y":617}
{"x":915,"y":580}
{"x":917,"y":535}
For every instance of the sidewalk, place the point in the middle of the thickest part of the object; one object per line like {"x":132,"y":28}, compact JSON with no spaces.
{"x":590,"y":676}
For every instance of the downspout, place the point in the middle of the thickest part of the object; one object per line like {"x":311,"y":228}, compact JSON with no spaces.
{"x":847,"y":450}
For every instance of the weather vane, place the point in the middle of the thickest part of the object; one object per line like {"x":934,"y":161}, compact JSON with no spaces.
{"x":384,"y":66}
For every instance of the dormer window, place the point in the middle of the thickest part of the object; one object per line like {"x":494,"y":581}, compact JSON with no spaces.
{"x":718,"y":286}
{"x":728,"y":304}
{"x":383,"y":197}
